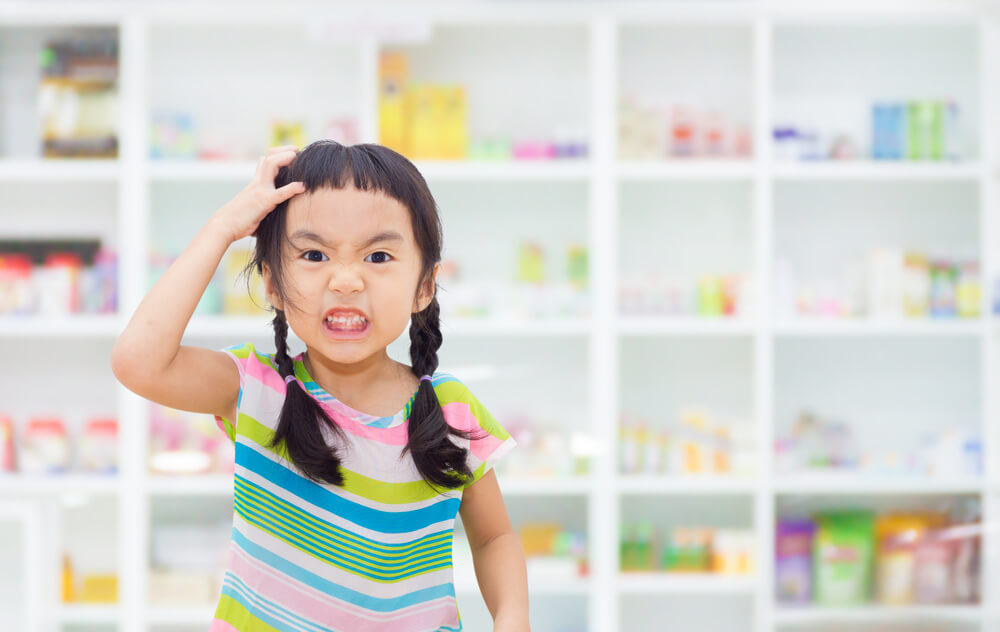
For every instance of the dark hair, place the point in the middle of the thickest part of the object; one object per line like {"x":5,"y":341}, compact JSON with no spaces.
{"x":369,"y":167}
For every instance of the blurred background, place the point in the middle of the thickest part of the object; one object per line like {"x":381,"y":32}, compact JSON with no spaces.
{"x":727,"y":270}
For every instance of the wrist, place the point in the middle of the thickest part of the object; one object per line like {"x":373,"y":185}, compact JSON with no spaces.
{"x":219,"y":231}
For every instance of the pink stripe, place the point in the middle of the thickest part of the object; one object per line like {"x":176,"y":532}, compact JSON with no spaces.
{"x":458,"y":415}
{"x":322,"y":609}
{"x":264,"y":374}
{"x":218,"y":625}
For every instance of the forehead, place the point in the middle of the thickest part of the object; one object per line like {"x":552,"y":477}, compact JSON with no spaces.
{"x":347,"y":215}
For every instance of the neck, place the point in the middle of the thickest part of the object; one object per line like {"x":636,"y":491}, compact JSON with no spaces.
{"x":352,"y":382}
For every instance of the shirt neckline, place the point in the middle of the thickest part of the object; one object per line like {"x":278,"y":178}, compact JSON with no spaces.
{"x":313,"y":388}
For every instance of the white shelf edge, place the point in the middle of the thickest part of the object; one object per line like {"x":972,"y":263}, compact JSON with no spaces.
{"x":693,"y":326}
{"x":85,"y":613}
{"x":536,"y":586}
{"x":542,"y":486}
{"x":806,"y":483}
{"x":180,"y":615}
{"x":686,"y":583}
{"x":89,"y":170}
{"x":17,"y":484}
{"x":862,"y":615}
{"x":445,"y":170}
{"x":195,"y":485}
{"x":217,"y":325}
{"x":685,"y":484}
{"x":74,"y":326}
{"x":876,"y":327}
{"x":870,"y":170}
{"x":693,"y":169}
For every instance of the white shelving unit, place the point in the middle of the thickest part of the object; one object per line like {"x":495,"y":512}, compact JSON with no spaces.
{"x":612,"y":598}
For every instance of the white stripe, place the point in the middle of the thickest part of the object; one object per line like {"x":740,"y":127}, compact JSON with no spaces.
{"x":340,"y":604}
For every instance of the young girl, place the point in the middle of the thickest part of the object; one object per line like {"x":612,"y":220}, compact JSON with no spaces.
{"x":350,"y":466}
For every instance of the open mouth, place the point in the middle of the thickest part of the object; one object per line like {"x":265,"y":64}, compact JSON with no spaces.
{"x":346,"y":326}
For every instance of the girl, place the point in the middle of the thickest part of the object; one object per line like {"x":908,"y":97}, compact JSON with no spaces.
{"x":350,"y":466}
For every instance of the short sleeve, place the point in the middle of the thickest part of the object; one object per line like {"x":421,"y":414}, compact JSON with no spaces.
{"x":240,"y":354}
{"x":490,"y":441}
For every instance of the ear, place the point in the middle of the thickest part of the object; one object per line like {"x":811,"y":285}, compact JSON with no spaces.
{"x":272,"y":296}
{"x":426,"y":291}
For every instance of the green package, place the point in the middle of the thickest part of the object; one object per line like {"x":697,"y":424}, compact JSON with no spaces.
{"x":844,"y":558}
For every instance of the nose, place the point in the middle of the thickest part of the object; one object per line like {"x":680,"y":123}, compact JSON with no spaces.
{"x":345,"y":279}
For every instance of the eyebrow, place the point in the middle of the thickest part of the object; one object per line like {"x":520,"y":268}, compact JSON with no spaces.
{"x":385,"y":235}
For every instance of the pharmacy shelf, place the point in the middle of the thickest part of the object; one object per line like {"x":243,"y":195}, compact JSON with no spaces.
{"x":680,"y":326}
{"x":686,"y":583}
{"x":686,"y":170}
{"x":866,"y":327}
{"x":77,"y":326}
{"x":601,"y":174}
{"x":875,"y":614}
{"x":695,"y":485}
{"x":55,"y":170}
{"x":877,"y":171}
{"x":812,"y":484}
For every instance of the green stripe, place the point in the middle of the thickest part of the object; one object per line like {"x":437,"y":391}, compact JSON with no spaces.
{"x":300,"y":542}
{"x":258,"y":498}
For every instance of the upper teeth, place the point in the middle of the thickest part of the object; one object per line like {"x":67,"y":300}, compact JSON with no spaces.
{"x":346,"y":320}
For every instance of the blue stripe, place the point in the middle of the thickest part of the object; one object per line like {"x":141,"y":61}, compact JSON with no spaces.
{"x":312,"y":492}
{"x":271,"y":501}
{"x":375,"y":604}
{"x":365,"y":568}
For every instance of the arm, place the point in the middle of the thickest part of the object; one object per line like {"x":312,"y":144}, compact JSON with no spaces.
{"x":496,"y":555}
{"x":148,"y":358}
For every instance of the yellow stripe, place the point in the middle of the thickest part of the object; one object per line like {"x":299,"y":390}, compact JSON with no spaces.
{"x":233,"y":613}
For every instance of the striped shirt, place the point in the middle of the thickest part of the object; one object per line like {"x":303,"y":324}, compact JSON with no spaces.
{"x":375,"y":554}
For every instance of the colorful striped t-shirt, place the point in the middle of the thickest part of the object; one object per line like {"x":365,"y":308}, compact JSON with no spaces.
{"x":375,"y":554}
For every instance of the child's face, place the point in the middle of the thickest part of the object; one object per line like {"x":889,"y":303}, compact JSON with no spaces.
{"x":336,"y":269}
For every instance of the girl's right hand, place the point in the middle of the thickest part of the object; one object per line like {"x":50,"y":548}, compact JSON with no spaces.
{"x":240,"y":216}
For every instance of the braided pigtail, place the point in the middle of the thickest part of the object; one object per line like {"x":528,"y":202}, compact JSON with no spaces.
{"x":440,"y":461}
{"x":299,"y":425}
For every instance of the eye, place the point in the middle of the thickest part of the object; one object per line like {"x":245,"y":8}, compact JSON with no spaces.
{"x":379,"y":253}
{"x":310,"y":252}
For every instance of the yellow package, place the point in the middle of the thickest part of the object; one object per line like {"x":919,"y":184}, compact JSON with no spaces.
{"x":421,"y":124}
{"x":454,"y":124}
{"x":392,"y":116}
{"x":99,"y":589}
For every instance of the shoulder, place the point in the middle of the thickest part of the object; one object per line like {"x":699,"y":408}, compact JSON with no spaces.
{"x":462,"y":408}
{"x":246,"y":354}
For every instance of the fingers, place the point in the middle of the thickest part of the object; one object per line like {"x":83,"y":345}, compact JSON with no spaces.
{"x":282,"y":148}
{"x":275,"y":159}
{"x":283,"y":193}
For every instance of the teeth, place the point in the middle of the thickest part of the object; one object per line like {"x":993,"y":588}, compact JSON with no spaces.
{"x":346,"y":321}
